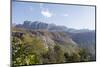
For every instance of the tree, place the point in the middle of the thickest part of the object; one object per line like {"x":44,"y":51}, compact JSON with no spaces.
{"x":24,"y":53}
{"x":59,"y":54}
{"x":84,"y":55}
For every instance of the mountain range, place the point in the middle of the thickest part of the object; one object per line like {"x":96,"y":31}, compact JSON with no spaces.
{"x":72,"y":45}
{"x":81,"y":37}
{"x":50,"y":27}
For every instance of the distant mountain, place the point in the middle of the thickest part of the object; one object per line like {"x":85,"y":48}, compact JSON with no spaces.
{"x":84,"y":37}
{"x":41,"y":25}
{"x":86,"y":40}
{"x":33,"y":25}
{"x":71,"y":30}
{"x":50,"y":27}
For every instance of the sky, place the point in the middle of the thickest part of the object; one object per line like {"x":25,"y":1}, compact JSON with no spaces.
{"x":71,"y":16}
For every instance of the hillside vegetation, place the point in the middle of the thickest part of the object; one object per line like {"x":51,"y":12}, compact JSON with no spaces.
{"x":31,"y":47}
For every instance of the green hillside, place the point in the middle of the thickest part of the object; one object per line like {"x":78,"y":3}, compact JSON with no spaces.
{"x":31,"y":47}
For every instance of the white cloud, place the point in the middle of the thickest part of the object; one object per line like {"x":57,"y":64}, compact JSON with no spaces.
{"x":65,"y":15}
{"x":46,"y":13}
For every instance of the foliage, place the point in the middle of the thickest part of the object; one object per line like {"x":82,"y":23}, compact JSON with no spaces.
{"x":30,"y":49}
{"x":84,"y":55}
{"x":59,"y":54}
{"x":81,"y":56}
{"x":26,"y":51}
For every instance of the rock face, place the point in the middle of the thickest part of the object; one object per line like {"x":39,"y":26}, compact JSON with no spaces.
{"x":40,"y":25}
{"x":33,"y":25}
